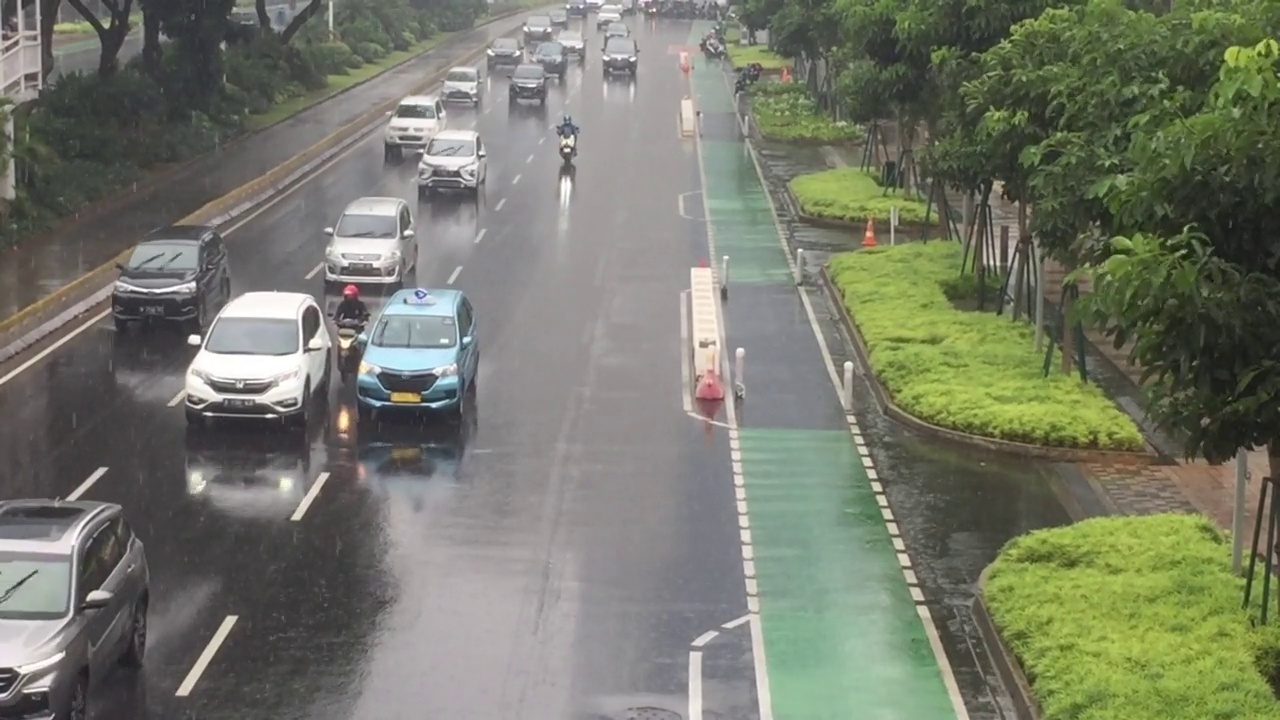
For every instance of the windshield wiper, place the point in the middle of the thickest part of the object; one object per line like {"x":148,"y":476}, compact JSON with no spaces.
{"x":447,"y":152}
{"x":8,"y":594}
{"x":168,"y":262}
{"x":151,"y":259}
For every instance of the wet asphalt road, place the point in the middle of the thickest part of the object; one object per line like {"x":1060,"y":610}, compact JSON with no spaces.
{"x":552,"y":561}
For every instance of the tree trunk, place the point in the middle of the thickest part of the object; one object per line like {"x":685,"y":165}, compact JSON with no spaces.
{"x":48,"y":18}
{"x":109,"y":55}
{"x":1068,"y":337}
{"x":311,"y":10}
{"x":264,"y":20}
{"x":152,"y":53}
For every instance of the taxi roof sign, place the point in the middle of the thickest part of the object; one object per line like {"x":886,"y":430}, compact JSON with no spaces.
{"x":420,"y":297}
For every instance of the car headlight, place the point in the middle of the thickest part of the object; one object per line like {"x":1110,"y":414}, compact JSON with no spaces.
{"x":122,"y":286}
{"x":369,"y":368}
{"x":446,"y":370}
{"x":470,"y":170}
{"x":526,"y":28}
{"x":39,"y":665}
{"x":186,"y":287}
{"x":199,"y":374}
{"x":286,"y":376}
{"x":631,"y":59}
{"x":331,"y":253}
{"x":490,"y":53}
{"x":393,"y":256}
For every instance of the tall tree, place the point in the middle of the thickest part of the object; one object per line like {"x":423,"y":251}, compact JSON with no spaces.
{"x":111,"y":35}
{"x":197,"y":29}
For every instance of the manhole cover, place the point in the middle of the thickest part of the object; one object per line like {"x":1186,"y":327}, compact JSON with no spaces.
{"x":649,"y":713}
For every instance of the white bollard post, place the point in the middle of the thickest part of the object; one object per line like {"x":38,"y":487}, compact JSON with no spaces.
{"x":724,"y":275}
{"x":846,"y":392}
{"x":893,"y":226}
{"x":799,"y":278}
{"x":739,"y":363}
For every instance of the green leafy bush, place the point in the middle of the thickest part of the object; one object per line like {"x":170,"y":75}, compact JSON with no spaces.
{"x":743,"y":55}
{"x":1134,"y":618}
{"x":967,"y":371}
{"x":785,"y":111}
{"x":329,"y":58}
{"x":370,"y":52}
{"x":852,"y":195}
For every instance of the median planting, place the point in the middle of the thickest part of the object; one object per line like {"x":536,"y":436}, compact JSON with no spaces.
{"x":1134,"y":618}
{"x":785,"y":111}
{"x":852,"y":195}
{"x":972,"y":372}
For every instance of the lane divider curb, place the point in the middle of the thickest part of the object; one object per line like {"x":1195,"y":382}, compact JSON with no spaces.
{"x":41,"y":318}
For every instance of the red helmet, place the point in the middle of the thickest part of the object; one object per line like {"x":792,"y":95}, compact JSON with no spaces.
{"x":351,"y":291}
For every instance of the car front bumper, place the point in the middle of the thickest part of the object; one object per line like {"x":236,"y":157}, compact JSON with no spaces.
{"x":448,"y":179}
{"x":459,"y":95}
{"x":619,"y":66}
{"x":522,"y":92}
{"x":277,"y":402}
{"x":361,"y":273}
{"x":504,"y":60}
{"x":443,"y":394}
{"x":413,"y":141}
{"x":130,"y":306}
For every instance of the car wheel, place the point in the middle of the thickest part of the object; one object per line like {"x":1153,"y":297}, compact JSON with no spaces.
{"x":78,"y":705}
{"x":122,"y":325}
{"x":137,"y":648}
{"x":303,"y":418}
{"x":194,"y":418}
{"x":364,"y":413}
{"x":198,"y":325}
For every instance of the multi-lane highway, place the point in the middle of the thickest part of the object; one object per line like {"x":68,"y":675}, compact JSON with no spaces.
{"x":555,"y":561}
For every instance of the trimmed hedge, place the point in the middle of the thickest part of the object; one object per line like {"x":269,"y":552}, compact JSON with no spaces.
{"x":1134,"y":618}
{"x":967,"y":371}
{"x":853,"y":195}
{"x":785,"y":111}
{"x":743,"y":55}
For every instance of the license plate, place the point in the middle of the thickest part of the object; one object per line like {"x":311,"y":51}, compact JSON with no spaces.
{"x":239,"y":403}
{"x":406,"y":454}
{"x":361,"y":266}
{"x":152,"y":309}
{"x":406,"y":398}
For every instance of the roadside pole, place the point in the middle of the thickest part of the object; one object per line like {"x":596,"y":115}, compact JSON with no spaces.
{"x":1237,"y":511}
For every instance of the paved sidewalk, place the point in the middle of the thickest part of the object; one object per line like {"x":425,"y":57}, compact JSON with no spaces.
{"x":41,"y":265}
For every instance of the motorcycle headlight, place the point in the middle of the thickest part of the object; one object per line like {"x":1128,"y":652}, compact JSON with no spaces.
{"x":369,"y":368}
{"x":446,"y":370}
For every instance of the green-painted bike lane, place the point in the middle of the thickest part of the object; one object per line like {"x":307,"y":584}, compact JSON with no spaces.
{"x":842,"y":636}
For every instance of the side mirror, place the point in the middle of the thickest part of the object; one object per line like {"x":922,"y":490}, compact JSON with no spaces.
{"x":193,"y":340}
{"x":408,"y":234}
{"x":315,"y":345}
{"x":468,"y":340}
{"x":362,"y":340}
{"x":120,"y":267}
{"x":96,"y":600}
{"x":482,"y":154}
{"x":328,"y":231}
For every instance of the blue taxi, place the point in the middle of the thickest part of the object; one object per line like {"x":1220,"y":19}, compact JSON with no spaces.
{"x":420,"y":353}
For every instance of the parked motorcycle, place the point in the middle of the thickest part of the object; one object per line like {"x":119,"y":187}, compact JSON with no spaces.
{"x":712,"y":48}
{"x":348,"y":350}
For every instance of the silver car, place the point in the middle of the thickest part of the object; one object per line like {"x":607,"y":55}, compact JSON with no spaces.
{"x":73,"y":602}
{"x":372,"y":243}
{"x":573,"y":43}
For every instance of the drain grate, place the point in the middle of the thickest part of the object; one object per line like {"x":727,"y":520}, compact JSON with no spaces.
{"x":649,"y":713}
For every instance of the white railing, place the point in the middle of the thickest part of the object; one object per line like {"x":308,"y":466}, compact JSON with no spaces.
{"x":20,"y":66}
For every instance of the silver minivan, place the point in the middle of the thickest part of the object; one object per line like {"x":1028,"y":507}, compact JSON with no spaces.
{"x":74,"y":590}
{"x":372,"y":243}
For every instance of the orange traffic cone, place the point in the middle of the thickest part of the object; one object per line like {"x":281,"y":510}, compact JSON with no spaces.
{"x":869,"y":237}
{"x":709,"y":386}
{"x":786,"y":74}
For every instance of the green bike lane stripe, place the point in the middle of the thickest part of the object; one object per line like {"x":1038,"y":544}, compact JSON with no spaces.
{"x":842,"y":634}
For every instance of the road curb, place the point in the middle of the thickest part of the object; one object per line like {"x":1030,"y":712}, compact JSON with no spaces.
{"x":40,"y":319}
{"x":1008,"y":447}
{"x":1005,"y":661}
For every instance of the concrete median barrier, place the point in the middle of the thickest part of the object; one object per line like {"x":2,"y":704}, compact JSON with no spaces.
{"x":81,"y":296}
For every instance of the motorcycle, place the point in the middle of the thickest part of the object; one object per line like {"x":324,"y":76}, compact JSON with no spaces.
{"x":348,"y":352}
{"x":568,"y":149}
{"x":712,"y":49}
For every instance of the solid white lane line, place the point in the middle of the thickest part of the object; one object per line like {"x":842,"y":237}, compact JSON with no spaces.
{"x":501,"y":202}
{"x":695,"y":685}
{"x":206,"y":657}
{"x":453,"y":275}
{"x":49,"y":350}
{"x":315,"y":270}
{"x":528,"y":160}
{"x":88,"y":483}
{"x":177,"y":399}
{"x":310,"y":497}
{"x":480,"y":236}
{"x":515,"y":180}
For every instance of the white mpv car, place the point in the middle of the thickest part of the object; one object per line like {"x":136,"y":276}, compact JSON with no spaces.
{"x":462,"y":84}
{"x":266,"y":355}
{"x":455,"y":159}
{"x":412,"y":125}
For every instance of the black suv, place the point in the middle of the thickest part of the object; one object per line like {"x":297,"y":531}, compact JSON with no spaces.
{"x":576,"y":8}
{"x":538,"y":27}
{"x":528,"y":82}
{"x":620,"y":56}
{"x":505,"y":52}
{"x":176,"y":274}
{"x":553,"y":58}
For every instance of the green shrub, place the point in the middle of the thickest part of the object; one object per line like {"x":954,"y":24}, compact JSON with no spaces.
{"x":329,"y":58}
{"x":852,"y":195}
{"x":785,"y":111}
{"x":370,"y":52}
{"x":744,"y":55}
{"x":1134,"y":618}
{"x":967,"y":371}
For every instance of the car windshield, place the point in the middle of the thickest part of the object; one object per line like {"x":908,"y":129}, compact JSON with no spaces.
{"x":415,"y":331}
{"x":617,"y":28}
{"x":353,"y":225}
{"x":528,"y":72}
{"x":505,"y":44}
{"x":34,"y":586}
{"x":538,"y":21}
{"x":558,"y":14}
{"x":569,"y":37}
{"x":461,"y":76}
{"x":164,"y":256}
{"x":550,"y":49}
{"x":416,"y":112}
{"x":451,"y":148}
{"x":610,"y":9}
{"x":619,"y":46}
{"x":253,"y":336}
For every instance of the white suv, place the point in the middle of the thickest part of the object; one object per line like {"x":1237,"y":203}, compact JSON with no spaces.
{"x":412,"y":125}
{"x":266,"y":355}
{"x":453,"y":159}
{"x":372,"y":243}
